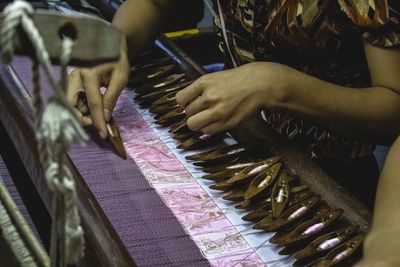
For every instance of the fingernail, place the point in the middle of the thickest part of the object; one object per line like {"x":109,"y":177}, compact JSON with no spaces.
{"x":110,"y":130}
{"x":205,"y":137}
{"x":107,"y":114}
{"x":103,"y":135}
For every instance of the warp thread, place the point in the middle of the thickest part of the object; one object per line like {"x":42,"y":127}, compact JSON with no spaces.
{"x":56,"y":128}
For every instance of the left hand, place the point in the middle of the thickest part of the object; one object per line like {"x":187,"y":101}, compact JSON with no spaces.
{"x":220,"y":101}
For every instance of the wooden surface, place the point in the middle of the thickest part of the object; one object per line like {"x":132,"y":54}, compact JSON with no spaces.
{"x":95,"y":40}
{"x":186,"y":63}
{"x":103,"y":246}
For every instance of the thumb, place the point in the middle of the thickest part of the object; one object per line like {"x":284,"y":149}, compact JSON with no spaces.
{"x":114,"y":89}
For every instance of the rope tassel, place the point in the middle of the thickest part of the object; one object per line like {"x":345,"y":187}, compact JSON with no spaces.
{"x":56,"y":129}
{"x":59,"y":127}
{"x":13,"y":16}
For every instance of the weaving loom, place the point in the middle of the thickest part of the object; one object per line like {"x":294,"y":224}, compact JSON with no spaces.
{"x":153,"y":209}
{"x":145,"y":209}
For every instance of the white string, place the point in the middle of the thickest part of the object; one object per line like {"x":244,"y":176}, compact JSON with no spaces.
{"x":224,"y":33}
{"x":56,"y":129}
{"x":209,"y":5}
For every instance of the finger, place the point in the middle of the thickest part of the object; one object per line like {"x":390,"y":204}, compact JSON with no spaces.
{"x":220,"y":125}
{"x":117,"y":83}
{"x":87,"y":121}
{"x":91,"y":84}
{"x":74,"y":86}
{"x":73,"y":96}
{"x":84,"y":120}
{"x":82,"y":106}
{"x":185,"y":96}
{"x":200,"y":120}
{"x":213,"y":128}
{"x":195,"y":106}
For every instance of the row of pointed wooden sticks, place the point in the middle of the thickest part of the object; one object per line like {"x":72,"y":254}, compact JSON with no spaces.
{"x":252,"y":175}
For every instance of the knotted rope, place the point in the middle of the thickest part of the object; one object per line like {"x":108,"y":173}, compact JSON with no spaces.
{"x":56,"y":129}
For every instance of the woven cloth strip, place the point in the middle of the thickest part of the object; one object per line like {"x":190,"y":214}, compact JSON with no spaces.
{"x":146,"y":226}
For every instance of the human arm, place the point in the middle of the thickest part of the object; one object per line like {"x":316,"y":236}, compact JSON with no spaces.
{"x":230,"y":97}
{"x":382,"y":244}
{"x":140,"y":21}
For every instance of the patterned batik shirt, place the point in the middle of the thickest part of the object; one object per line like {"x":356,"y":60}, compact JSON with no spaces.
{"x":321,"y":38}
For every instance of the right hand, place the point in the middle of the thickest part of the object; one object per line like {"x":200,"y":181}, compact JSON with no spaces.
{"x":98,"y":109}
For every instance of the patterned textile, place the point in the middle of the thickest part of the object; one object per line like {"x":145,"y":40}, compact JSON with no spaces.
{"x":147,"y":227}
{"x":321,"y":38}
{"x":156,"y":201}
{"x":213,"y":223}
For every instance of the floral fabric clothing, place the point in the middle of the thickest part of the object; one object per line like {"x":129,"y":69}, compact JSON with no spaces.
{"x":323,"y":38}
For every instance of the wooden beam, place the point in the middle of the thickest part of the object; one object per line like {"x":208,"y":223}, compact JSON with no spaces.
{"x":95,"y":40}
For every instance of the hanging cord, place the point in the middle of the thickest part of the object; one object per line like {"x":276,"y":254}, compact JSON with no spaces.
{"x":210,"y":8}
{"x":65,"y":57}
{"x":224,"y":33}
{"x":56,"y":129}
{"x":220,"y":22}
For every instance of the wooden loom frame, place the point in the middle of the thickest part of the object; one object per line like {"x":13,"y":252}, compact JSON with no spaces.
{"x":103,"y":244}
{"x":104,"y":247}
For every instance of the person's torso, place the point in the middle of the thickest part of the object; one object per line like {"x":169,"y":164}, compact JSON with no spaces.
{"x":315,"y":37}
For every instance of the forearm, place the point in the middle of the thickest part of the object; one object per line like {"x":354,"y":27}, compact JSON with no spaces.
{"x":382,"y":243}
{"x":387,"y":213}
{"x":141,"y":21}
{"x":362,"y":113}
